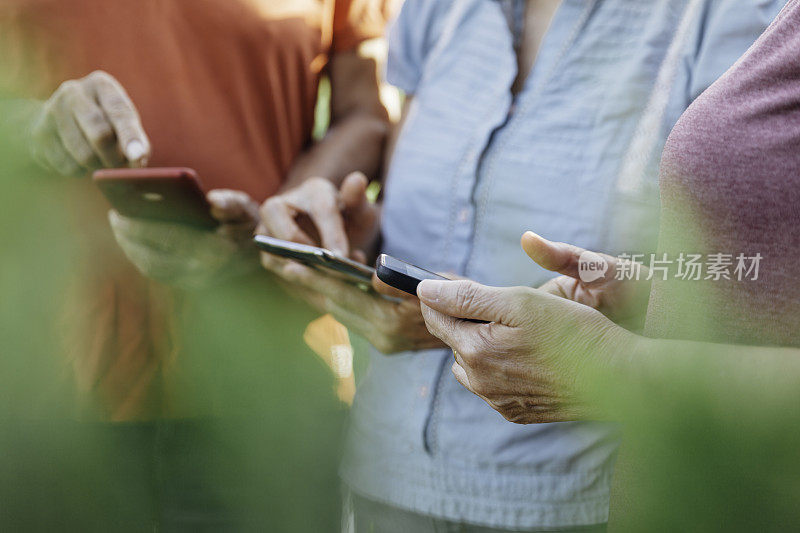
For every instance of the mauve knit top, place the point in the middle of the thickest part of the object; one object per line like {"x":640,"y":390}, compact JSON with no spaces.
{"x":730,"y":184}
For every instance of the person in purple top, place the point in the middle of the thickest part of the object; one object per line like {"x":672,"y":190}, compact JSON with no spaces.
{"x":730,"y":193}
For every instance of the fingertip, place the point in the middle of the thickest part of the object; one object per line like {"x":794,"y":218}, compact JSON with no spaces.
{"x":113,"y":217}
{"x":429,"y":291}
{"x":357,"y":178}
{"x":353,"y":189}
{"x":135,"y":151}
{"x":531,"y":240}
{"x":339,"y":250}
{"x":224,"y":206}
{"x":217,"y":198}
{"x":542,"y":251}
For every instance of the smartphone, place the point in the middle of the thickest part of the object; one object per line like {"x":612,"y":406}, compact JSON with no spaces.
{"x":406,"y":277}
{"x":162,"y":194}
{"x":401,"y":275}
{"x":318,"y":258}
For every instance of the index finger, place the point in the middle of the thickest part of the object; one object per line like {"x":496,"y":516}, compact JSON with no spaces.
{"x":124,"y":118}
{"x":278,"y":221}
{"x":328,"y":220}
{"x":469,"y":300}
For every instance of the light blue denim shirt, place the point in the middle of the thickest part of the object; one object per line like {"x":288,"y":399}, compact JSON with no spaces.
{"x":473,"y":169}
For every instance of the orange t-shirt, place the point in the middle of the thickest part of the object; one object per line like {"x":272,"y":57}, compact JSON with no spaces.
{"x":227,"y":87}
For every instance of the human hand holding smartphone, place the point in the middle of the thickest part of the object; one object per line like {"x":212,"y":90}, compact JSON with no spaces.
{"x":401,"y":275}
{"x":405,"y":276}
{"x":173,"y":232}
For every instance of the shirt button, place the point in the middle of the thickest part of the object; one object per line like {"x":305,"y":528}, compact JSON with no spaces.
{"x":463,"y":215}
{"x":423,"y":391}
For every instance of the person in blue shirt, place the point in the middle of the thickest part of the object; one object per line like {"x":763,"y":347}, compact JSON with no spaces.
{"x":519,"y":114}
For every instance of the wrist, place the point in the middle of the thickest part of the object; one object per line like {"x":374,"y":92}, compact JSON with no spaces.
{"x":610,"y":352}
{"x":622,"y":353}
{"x":599,"y":370}
{"x":616,"y":344}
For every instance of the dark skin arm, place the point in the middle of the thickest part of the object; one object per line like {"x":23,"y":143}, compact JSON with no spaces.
{"x":359,"y":125}
{"x":308,"y":209}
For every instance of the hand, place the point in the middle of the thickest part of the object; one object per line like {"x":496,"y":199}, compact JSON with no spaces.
{"x":192,"y":258}
{"x":529,"y":361}
{"x":317,"y":214}
{"x":88,"y":124}
{"x":622,"y":300}
{"x":391,"y":325}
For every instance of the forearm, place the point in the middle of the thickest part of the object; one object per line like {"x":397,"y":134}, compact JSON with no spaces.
{"x":756,"y":365}
{"x":354,"y":143}
{"x":726,"y":374}
{"x":359,"y":124}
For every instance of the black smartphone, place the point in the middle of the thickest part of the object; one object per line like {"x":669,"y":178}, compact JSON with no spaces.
{"x":401,"y":275}
{"x":406,"y":277}
{"x":319,"y":258}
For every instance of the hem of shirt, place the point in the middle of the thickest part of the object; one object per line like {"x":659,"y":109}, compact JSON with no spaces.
{"x":505,"y":500}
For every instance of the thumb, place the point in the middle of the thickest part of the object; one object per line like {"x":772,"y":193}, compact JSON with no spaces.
{"x":353,"y":191}
{"x":232,"y":207}
{"x":554,"y":256}
{"x":558,"y":257}
{"x":469,"y":300}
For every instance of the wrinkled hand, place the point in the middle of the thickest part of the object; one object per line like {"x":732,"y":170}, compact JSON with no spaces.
{"x":318,"y":214}
{"x":527,"y":363}
{"x":88,"y":124}
{"x":192,"y":258}
{"x":390,"y":320}
{"x":622,"y":300}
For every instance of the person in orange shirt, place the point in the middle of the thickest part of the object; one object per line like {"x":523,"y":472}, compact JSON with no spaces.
{"x":227,"y":87}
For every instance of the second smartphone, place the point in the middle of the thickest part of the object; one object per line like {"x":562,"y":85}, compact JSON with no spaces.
{"x":401,"y":275}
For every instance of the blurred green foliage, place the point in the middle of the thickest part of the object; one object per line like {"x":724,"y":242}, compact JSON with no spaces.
{"x":261,"y":452}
